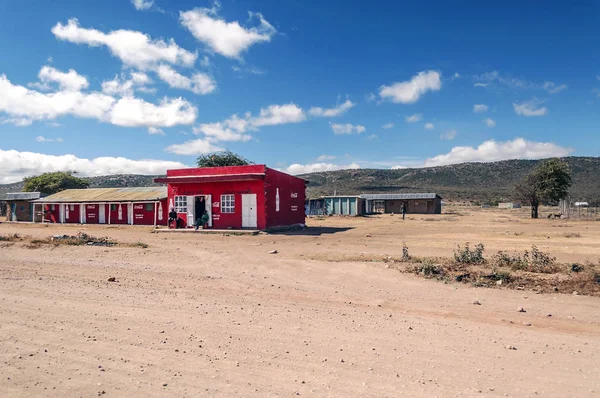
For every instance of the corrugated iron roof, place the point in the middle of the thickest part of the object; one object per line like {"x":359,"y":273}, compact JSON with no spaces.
{"x":22,"y":196}
{"x":139,"y":194}
{"x":399,"y":196}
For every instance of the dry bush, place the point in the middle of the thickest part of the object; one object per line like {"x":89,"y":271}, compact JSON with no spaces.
{"x":535,"y":261}
{"x":11,"y":238}
{"x":572,"y":235}
{"x":467,"y":256}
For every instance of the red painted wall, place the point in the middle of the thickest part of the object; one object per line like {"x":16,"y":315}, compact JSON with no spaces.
{"x":52,"y":213}
{"x":91,"y":213}
{"x":216,"y":189}
{"x":114,"y":214}
{"x":204,"y":171}
{"x":73,"y":214}
{"x":291,"y":199}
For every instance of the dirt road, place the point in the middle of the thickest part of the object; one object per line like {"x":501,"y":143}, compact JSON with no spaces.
{"x":213,"y":315}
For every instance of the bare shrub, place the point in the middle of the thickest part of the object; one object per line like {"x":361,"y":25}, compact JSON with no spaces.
{"x":405,"y":254}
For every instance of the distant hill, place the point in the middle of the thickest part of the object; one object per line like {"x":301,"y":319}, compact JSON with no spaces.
{"x":112,"y":181}
{"x":466,"y":181}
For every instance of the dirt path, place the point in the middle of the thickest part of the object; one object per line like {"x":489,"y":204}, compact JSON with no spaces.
{"x":219,"y":316}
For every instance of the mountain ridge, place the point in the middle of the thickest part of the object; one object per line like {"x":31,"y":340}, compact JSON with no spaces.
{"x":493,"y":181}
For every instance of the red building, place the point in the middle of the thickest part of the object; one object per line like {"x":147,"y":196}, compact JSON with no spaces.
{"x":236,"y":197}
{"x":133,"y":206}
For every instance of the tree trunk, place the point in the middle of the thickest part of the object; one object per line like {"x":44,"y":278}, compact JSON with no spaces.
{"x":534,"y":209}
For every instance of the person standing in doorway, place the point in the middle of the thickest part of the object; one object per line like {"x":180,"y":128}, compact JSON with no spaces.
{"x":403,"y":210}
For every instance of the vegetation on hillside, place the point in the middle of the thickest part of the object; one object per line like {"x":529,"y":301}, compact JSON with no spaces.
{"x":50,"y":183}
{"x":478,"y":182}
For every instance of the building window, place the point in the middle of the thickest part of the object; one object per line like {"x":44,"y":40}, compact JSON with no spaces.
{"x":52,"y":208}
{"x":227,"y":204}
{"x":149,"y":206}
{"x":22,"y":208}
{"x":113,"y":207}
{"x":181,"y":204}
{"x":72,"y":207}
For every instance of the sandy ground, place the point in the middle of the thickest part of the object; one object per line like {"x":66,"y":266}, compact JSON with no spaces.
{"x":213,"y":315}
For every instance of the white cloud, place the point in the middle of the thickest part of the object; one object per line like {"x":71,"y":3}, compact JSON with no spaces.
{"x":448,"y":135}
{"x":487,"y":78}
{"x":373,"y":137}
{"x":489,"y":122}
{"x":553,"y":88}
{"x":231,"y":129}
{"x":40,"y":138}
{"x":429,"y":126}
{"x":15,"y":165}
{"x":388,"y":125}
{"x":371,"y":97}
{"x":69,"y":81}
{"x":155,"y":131}
{"x":491,"y":151}
{"x":119,"y":86}
{"x":229,"y":39}
{"x":135,"y":112}
{"x":323,"y":158}
{"x":17,"y":121}
{"x":347,"y":128}
{"x":142,"y":5}
{"x":194,"y":147}
{"x":417,"y":117}
{"x":279,"y":114}
{"x":497,"y":78}
{"x":235,"y":128}
{"x":134,"y":49}
{"x":480,"y":108}
{"x":455,"y":76}
{"x":199,"y":83}
{"x":410,"y":91}
{"x":23,"y":104}
{"x":318,"y":167}
{"x":530,"y":108}
{"x":332,"y":112}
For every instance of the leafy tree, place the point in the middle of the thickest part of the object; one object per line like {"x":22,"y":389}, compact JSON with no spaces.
{"x":50,"y":183}
{"x":548,"y":182}
{"x":224,"y":158}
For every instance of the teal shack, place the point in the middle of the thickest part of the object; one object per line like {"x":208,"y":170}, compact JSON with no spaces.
{"x":343,"y":205}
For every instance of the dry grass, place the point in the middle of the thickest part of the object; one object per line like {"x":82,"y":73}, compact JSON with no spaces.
{"x":80,"y":239}
{"x":572,"y":235}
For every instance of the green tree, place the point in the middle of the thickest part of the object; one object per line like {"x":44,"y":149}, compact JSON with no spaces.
{"x":546,"y":183}
{"x":224,"y":158}
{"x":50,"y":183}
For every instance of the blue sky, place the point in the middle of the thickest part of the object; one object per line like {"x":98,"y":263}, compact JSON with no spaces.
{"x":138,"y":86}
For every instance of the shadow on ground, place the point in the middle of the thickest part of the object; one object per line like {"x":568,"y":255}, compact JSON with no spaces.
{"x":313,"y":231}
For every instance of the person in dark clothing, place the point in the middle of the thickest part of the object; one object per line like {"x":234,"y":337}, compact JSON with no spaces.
{"x":173,"y":217}
{"x":203,"y":221}
{"x":403,"y":210}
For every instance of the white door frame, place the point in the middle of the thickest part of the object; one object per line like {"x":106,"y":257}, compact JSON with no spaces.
{"x":249,"y":211}
{"x":191,"y":213}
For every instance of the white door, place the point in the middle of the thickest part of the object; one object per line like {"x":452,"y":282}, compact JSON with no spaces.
{"x":82,"y":213}
{"x":102,"y":214}
{"x":191,"y":211}
{"x":208,"y":199}
{"x":249,"y":219}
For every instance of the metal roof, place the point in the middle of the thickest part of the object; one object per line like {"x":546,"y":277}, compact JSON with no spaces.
{"x":400,"y":196}
{"x":140,"y":194}
{"x":22,"y":196}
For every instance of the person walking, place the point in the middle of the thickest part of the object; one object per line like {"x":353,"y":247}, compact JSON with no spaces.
{"x":403,"y":210}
